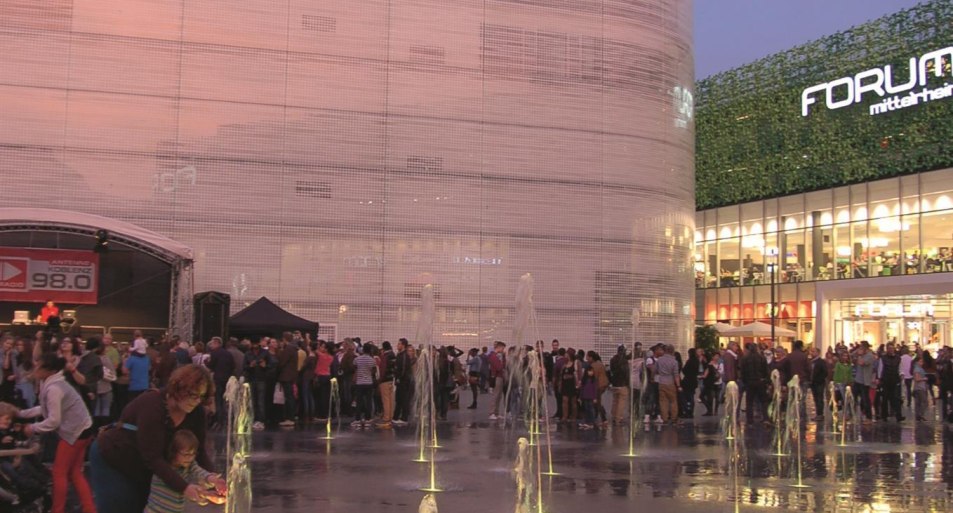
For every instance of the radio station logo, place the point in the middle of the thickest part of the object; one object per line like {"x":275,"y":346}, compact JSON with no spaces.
{"x":13,"y":273}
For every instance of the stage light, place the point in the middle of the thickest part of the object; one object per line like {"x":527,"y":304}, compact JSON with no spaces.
{"x":102,"y":241}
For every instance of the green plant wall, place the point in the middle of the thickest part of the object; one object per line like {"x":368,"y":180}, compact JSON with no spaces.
{"x":753,"y":143}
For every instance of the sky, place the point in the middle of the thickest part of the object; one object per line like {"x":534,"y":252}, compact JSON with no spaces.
{"x":730,"y":33}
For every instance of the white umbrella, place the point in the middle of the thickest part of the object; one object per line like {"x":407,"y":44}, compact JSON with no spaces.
{"x":721,"y":327}
{"x":758,"y":329}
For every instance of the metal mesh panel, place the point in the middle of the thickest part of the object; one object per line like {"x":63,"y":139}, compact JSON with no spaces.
{"x":335,"y":156}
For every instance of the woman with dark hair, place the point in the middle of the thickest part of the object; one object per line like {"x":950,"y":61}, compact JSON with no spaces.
{"x":64,"y":412}
{"x":124,"y":457}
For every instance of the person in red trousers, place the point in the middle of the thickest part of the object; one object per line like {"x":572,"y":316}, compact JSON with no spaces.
{"x":64,"y":412}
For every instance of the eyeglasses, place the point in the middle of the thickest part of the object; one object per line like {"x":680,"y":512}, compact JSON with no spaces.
{"x":195,"y":396}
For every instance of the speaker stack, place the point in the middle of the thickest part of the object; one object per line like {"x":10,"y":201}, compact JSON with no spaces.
{"x":211,"y":316}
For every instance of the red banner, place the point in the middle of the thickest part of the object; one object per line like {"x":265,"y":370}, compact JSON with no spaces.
{"x":39,"y":275}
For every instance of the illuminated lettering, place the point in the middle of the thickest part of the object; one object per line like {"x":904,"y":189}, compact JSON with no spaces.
{"x":846,"y":91}
{"x":871,"y":309}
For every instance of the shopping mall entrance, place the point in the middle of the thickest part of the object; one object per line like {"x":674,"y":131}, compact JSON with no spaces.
{"x":900,"y":309}
{"x":922,"y":320}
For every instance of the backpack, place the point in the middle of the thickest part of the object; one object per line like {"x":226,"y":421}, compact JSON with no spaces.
{"x":619,"y":370}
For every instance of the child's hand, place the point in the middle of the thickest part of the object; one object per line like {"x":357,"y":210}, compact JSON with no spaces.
{"x":220,"y":486}
{"x":193,"y":493}
{"x":216,"y":499}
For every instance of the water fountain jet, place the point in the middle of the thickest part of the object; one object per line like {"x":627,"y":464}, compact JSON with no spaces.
{"x":238,"y":447}
{"x":793,"y":424}
{"x":526,"y":324}
{"x":635,"y":408}
{"x":334,"y":409}
{"x":729,"y":420}
{"x":424,"y":397}
{"x":848,"y":408}
{"x":776,"y":413}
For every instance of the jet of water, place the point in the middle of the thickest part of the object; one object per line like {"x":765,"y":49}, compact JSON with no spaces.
{"x":832,"y":404}
{"x":729,"y":420}
{"x":793,"y":423}
{"x":424,"y":397}
{"x":522,"y":325}
{"x":423,"y":400}
{"x":776,"y":412}
{"x":428,"y":504}
{"x":531,"y":378}
{"x":523,"y":472}
{"x":516,"y":378}
{"x":334,"y":408}
{"x":635,"y":407}
{"x":238,"y":447}
{"x":848,"y":411}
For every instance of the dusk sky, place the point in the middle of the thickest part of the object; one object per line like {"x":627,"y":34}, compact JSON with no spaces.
{"x":730,"y":33}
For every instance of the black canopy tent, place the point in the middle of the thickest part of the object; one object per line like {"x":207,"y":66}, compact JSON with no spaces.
{"x":266,"y":318}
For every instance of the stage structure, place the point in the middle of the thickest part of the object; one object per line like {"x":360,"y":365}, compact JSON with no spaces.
{"x":26,"y":227}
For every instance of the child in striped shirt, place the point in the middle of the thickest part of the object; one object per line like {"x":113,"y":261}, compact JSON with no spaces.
{"x":162,"y":498}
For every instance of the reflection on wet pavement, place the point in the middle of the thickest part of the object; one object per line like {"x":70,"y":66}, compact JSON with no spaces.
{"x":892,"y":468}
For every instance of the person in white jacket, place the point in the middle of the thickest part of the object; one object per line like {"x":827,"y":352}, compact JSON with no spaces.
{"x":65,"y":413}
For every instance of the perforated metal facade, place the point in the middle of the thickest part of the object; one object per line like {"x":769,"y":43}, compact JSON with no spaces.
{"x":335,"y":156}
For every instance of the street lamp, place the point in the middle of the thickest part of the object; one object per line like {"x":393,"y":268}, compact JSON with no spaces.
{"x":772,"y":268}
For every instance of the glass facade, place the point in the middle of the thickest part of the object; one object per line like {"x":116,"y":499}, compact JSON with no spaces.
{"x":336,"y":156}
{"x":886,"y":228}
{"x":923,"y":320}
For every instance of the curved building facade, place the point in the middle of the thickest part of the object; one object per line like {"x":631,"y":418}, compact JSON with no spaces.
{"x":336,"y":156}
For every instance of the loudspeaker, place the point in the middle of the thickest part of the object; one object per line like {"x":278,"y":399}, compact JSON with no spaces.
{"x":211,"y":316}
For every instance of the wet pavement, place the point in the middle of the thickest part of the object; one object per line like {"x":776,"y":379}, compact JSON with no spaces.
{"x":891,"y":468}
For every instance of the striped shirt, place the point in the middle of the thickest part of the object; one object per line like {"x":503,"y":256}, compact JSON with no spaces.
{"x":364,"y":373}
{"x":163,"y":499}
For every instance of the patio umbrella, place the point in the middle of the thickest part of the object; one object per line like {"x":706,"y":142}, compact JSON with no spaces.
{"x":721,"y":327}
{"x":758,"y":329}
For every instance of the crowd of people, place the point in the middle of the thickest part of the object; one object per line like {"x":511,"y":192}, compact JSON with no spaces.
{"x":140,"y":410}
{"x":139,"y":421}
{"x":885,"y":383}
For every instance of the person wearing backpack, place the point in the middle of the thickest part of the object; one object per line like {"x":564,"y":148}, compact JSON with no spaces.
{"x":619,"y":376}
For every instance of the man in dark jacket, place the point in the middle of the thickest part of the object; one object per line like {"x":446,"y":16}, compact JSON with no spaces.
{"x":287,"y":375}
{"x":404,"y":376}
{"x":90,"y":367}
{"x":386,"y":385}
{"x":258,"y":362}
{"x":890,"y":384}
{"x":798,"y":364}
{"x":690,"y":371}
{"x":753,"y":370}
{"x":819,"y":373}
{"x":222,"y":365}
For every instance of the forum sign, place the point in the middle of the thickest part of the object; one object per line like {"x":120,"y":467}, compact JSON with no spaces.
{"x":891,"y":90}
